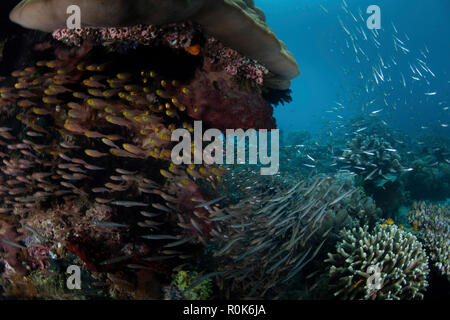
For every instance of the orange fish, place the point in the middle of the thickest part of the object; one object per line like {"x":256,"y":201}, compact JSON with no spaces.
{"x":41,"y":111}
{"x":51,"y":100}
{"x":93,"y":84}
{"x":93,"y":134}
{"x":194,"y":50}
{"x":123,"y":153}
{"x":133,"y":149}
{"x":94,"y":153}
{"x":74,"y":127}
{"x":25,"y":103}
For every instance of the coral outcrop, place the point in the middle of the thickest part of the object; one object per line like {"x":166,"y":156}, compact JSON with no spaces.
{"x":400,"y":257}
{"x":373,"y":157}
{"x":86,"y":146}
{"x":225,"y":89}
{"x":236,"y":23}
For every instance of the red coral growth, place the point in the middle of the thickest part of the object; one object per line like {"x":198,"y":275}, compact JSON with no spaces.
{"x":79,"y":248}
{"x":38,"y":257}
{"x":216,"y":99}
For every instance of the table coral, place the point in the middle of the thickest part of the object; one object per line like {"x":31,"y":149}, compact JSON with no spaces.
{"x":238,"y":24}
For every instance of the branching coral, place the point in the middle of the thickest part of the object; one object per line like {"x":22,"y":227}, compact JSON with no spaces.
{"x":432,"y":223}
{"x":363,"y":208}
{"x":402,"y":262}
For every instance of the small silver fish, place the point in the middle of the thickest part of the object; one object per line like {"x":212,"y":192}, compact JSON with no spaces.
{"x":208,"y":203}
{"x":129,"y":204}
{"x":110,"y":224}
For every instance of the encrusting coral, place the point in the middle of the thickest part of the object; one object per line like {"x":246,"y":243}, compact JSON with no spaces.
{"x":236,"y":23}
{"x":432,"y":223}
{"x":400,"y":257}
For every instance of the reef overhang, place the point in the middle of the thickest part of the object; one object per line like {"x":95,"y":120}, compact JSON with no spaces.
{"x":236,"y":23}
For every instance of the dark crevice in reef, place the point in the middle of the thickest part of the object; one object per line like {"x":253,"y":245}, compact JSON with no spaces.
{"x":165,"y":61}
{"x":18,"y":52}
{"x":439,"y":287}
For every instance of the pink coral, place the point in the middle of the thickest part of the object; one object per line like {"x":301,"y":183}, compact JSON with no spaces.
{"x":178,"y":36}
{"x":38,"y":257}
{"x":175,"y":35}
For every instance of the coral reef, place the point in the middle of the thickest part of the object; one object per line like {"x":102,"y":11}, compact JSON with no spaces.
{"x":276,"y":228}
{"x":226,"y":90}
{"x":402,"y":262}
{"x":77,"y":130}
{"x":180,"y":288}
{"x":302,"y":152}
{"x":10,"y":254}
{"x":86,"y":139}
{"x":432,"y":223}
{"x":236,"y":23}
{"x":374,"y":157}
{"x":375,"y":163}
{"x":179,"y":36}
{"x":363,"y":208}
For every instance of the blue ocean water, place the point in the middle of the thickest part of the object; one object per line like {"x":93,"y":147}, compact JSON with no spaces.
{"x":330,"y":74}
